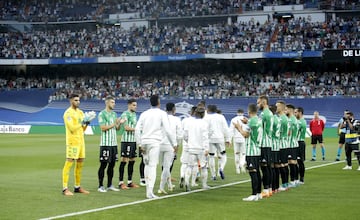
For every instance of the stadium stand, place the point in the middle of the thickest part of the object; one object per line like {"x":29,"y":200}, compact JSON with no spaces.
{"x":200,"y":86}
{"x":66,"y":10}
{"x":115,"y":41}
{"x":57,"y":30}
{"x":339,"y":4}
{"x":298,"y":34}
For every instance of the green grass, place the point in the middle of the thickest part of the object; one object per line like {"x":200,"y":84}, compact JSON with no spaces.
{"x":30,"y":185}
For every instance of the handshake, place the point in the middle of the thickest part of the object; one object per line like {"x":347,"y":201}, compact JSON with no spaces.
{"x":88,"y":116}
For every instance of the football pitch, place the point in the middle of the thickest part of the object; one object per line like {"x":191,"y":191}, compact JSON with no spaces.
{"x":30,"y":184}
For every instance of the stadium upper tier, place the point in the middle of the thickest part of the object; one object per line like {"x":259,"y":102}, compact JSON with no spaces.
{"x":108,"y":41}
{"x":75,"y":10}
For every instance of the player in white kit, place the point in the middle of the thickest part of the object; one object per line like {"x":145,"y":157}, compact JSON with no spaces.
{"x":167,"y":151}
{"x":197,"y":137}
{"x":218,"y":135}
{"x":149,"y":133}
{"x":238,"y":142}
{"x":185,"y":153}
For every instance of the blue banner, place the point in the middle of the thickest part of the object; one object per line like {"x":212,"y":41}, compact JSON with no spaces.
{"x":177,"y":57}
{"x":308,"y":53}
{"x":174,"y":57}
{"x":293,"y":54}
{"x":73,"y":60}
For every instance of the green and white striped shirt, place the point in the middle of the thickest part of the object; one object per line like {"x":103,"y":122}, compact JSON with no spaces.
{"x":129,"y":136}
{"x":267,"y":123}
{"x":284,"y":143}
{"x":255,"y":136}
{"x":276,"y":133}
{"x":302,"y":129}
{"x":108,"y":137}
{"x":293,"y":130}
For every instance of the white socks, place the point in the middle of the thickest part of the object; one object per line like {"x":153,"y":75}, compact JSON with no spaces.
{"x":237,"y":160}
{"x":183,"y":169}
{"x":204,"y":176}
{"x":150,"y":178}
{"x":212,"y":165}
{"x":188,"y":173}
{"x":222,"y":161}
{"x":194,"y":174}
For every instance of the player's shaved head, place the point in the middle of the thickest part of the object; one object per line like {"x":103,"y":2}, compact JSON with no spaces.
{"x":252,"y":108}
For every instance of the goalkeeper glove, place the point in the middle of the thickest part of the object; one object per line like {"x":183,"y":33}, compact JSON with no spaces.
{"x":89,"y":116}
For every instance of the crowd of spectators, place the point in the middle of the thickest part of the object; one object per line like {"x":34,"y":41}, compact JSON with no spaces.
{"x":200,"y":86}
{"x":76,"y":10}
{"x":302,"y":34}
{"x":175,"y":8}
{"x":340,"y":4}
{"x":50,"y":10}
{"x":115,"y":41}
{"x":293,"y":35}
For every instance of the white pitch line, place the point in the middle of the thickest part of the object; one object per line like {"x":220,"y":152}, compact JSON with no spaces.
{"x":141,"y":201}
{"x":165,"y":197}
{"x":323,"y":165}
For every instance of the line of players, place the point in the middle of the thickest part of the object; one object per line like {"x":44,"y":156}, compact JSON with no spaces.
{"x":273,"y":143}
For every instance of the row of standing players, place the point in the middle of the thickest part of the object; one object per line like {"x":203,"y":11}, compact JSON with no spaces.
{"x":259,"y":143}
{"x":275,"y":144}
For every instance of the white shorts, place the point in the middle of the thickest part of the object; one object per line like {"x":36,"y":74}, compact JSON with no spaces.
{"x":198,"y":158}
{"x":216,"y":148}
{"x":166,"y":147}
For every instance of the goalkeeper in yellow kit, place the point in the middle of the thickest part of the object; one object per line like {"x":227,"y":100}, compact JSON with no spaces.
{"x":75,"y":124}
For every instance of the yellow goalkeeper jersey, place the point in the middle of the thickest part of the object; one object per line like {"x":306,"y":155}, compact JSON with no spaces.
{"x":73,"y":127}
